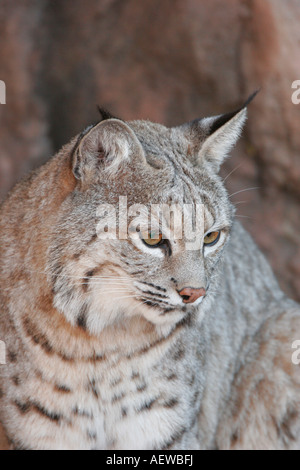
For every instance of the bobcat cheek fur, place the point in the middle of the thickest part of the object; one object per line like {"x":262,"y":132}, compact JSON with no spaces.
{"x":104,"y":347}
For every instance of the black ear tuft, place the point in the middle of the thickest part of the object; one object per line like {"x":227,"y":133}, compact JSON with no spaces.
{"x":219,"y":122}
{"x":106,"y":114}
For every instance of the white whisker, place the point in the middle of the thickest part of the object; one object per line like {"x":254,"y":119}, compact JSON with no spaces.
{"x":245,"y":216}
{"x":240,"y":202}
{"x":105,"y":281}
{"x":113,"y":291}
{"x":72,"y":276}
{"x":232,"y":171}
{"x":243,"y":190}
{"x":126,"y":297}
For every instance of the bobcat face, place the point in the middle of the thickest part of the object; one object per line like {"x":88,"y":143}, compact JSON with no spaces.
{"x":98,"y":281}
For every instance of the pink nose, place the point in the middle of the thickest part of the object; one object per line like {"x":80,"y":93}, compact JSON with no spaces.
{"x":190,"y":295}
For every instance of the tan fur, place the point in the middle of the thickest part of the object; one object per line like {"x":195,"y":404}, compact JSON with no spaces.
{"x":89,"y":365}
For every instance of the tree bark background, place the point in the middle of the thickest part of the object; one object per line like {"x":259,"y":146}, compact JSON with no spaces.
{"x":169,"y":61}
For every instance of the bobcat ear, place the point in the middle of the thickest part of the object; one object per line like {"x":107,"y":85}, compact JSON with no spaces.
{"x":213,"y":137}
{"x":222,"y":134}
{"x":107,"y":146}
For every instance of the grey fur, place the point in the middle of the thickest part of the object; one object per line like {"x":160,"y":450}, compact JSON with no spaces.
{"x":90,"y":365}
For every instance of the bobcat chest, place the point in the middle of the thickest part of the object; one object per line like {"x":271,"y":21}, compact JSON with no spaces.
{"x":145,"y":402}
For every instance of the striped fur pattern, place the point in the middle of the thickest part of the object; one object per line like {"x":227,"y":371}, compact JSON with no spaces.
{"x":102,"y":351}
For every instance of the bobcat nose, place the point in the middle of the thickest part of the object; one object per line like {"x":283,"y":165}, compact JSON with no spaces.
{"x":190,"y":295}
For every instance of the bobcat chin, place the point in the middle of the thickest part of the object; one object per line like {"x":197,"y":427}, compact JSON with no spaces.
{"x":139,"y":342}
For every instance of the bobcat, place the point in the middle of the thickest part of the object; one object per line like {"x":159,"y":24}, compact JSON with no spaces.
{"x":139,"y":342}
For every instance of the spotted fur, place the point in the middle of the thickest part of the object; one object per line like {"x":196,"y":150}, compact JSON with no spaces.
{"x":102,"y":351}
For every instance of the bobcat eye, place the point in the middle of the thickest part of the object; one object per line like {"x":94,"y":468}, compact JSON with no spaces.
{"x":211,"y":238}
{"x":152,"y":238}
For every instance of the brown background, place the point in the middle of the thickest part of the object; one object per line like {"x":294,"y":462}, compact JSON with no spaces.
{"x":168,"y":61}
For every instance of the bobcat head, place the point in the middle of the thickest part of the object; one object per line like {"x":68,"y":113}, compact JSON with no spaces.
{"x":98,"y":281}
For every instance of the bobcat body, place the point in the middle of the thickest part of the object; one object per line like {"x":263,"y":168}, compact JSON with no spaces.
{"x":102,"y":350}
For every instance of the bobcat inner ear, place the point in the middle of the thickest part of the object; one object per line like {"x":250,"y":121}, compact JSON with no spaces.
{"x":107,"y":146}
